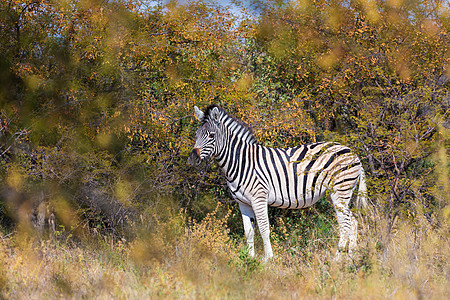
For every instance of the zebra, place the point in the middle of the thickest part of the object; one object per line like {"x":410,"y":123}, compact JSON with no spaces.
{"x":297,"y":177}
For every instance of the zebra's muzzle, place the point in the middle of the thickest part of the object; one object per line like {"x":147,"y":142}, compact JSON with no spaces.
{"x":194,"y":158}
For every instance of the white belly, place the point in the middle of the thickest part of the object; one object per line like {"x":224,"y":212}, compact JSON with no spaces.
{"x":277,"y":200}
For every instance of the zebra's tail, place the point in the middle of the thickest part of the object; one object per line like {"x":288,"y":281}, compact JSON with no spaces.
{"x":361,"y":200}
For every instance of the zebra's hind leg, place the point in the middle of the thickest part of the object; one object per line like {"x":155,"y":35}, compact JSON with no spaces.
{"x":347,"y":224}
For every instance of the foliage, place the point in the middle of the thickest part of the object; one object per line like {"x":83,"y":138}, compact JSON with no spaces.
{"x":96,"y":123}
{"x":371,"y":75}
{"x":97,"y":109}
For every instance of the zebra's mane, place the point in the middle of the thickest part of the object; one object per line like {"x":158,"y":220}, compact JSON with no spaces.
{"x":238,"y":123}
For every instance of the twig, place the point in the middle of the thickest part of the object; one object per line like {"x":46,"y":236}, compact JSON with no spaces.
{"x":6,"y":236}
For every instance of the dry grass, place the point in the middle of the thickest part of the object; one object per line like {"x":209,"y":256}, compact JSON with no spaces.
{"x":202,"y":262}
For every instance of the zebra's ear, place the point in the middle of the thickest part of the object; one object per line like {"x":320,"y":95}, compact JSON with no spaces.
{"x":199,"y":114}
{"x":215,"y":114}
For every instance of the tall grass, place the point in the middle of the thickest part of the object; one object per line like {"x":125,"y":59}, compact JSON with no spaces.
{"x":202,"y":260}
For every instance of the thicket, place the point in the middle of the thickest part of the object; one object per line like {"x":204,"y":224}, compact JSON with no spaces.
{"x":96,"y":123}
{"x":96,"y":109}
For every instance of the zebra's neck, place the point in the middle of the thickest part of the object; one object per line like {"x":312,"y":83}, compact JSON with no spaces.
{"x":235,"y":151}
{"x":237,"y":129}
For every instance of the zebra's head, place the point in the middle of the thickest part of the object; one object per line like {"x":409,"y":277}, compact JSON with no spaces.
{"x":208,"y":134}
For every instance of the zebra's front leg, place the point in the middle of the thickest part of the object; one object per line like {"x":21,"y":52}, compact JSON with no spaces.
{"x":248,"y":218}
{"x":262,"y":218}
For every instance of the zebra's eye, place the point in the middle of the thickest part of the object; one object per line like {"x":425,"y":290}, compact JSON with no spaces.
{"x":212,"y":135}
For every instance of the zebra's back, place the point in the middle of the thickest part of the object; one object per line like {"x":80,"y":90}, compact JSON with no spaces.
{"x":297,"y":177}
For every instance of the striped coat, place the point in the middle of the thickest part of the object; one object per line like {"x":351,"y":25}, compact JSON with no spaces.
{"x":296,"y":177}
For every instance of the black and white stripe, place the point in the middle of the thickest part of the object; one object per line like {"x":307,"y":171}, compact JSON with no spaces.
{"x":287,"y":178}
